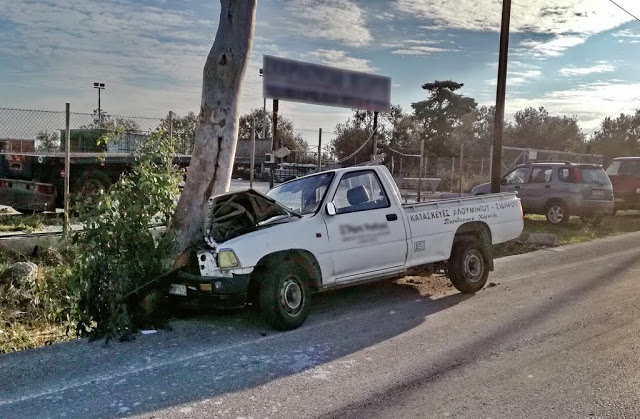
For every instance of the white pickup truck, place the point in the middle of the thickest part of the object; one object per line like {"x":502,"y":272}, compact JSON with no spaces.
{"x":334,"y":229}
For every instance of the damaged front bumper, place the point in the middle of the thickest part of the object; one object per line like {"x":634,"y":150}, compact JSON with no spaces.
{"x":195,"y":291}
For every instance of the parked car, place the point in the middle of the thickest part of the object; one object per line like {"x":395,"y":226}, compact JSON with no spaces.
{"x":559,"y":190}
{"x":624,"y":173}
{"x":335,"y":229}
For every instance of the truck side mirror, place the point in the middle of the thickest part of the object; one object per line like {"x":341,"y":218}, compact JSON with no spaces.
{"x":331,"y":208}
{"x":503,"y":181}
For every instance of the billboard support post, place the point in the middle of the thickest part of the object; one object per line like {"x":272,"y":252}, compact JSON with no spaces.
{"x":275,"y":141}
{"x":320,"y":149}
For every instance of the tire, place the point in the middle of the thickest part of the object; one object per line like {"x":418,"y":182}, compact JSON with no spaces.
{"x":557,"y":213}
{"x":468,"y":268}
{"x":285,"y":295}
{"x":88,"y":186}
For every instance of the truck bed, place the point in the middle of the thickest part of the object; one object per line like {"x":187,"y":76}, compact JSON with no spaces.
{"x":436,"y":223}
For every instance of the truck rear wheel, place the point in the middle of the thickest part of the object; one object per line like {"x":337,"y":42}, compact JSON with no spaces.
{"x":468,"y":268}
{"x":89,"y":186}
{"x":285,"y":295}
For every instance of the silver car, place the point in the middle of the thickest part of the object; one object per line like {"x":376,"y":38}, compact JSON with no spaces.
{"x":559,"y":190}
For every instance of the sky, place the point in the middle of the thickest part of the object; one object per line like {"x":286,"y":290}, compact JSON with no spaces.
{"x":574,"y":57}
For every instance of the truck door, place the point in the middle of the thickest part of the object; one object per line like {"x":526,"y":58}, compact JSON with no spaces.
{"x":367,"y":233}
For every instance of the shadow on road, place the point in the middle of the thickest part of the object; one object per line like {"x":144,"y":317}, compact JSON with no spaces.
{"x":206,"y":356}
{"x":483,"y":346}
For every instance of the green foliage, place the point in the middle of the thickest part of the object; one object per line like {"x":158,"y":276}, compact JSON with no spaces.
{"x":441,"y":113}
{"x":618,"y":137}
{"x":535,"y":128}
{"x":47,"y":141}
{"x":118,"y":251}
{"x":183,"y":131}
{"x":286,"y":130}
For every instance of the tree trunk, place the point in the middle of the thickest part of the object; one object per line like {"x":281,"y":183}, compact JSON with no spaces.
{"x":211,"y":164}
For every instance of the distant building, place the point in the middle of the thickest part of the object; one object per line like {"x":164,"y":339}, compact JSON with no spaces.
{"x":16,"y":145}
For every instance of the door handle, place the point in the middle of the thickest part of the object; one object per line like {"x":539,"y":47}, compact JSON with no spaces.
{"x":547,"y":186}
{"x":392,"y":217}
{"x":517,"y":187}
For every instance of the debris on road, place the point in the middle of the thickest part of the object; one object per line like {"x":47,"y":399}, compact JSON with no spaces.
{"x":543,"y":239}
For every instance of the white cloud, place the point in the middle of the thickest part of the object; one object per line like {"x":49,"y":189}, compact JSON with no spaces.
{"x":583,"y":71}
{"x":552,"y":48}
{"x":590,"y":102}
{"x":518,"y":78}
{"x":571,"y":21}
{"x":415,"y":47}
{"x":540,"y":16}
{"x":336,"y":20}
{"x":627,"y":33}
{"x":341,"y":59}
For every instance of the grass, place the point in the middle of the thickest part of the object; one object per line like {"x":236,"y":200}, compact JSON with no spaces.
{"x":35,"y":222}
{"x":573,"y":231}
{"x":37,"y":313}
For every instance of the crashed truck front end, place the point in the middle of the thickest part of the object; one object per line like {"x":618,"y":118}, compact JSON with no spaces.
{"x":217,"y":276}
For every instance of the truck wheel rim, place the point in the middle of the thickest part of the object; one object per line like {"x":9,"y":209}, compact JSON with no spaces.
{"x":92,"y":188}
{"x":291,"y":296}
{"x":473,"y":265}
{"x":556,"y":214}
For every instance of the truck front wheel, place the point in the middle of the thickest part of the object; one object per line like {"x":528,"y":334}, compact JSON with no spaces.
{"x":285,"y":295}
{"x":468,"y":268}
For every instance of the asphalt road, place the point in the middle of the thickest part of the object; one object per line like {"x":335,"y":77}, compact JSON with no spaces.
{"x":558,"y":336}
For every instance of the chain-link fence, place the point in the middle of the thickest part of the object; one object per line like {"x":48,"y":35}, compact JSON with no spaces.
{"x":44,"y":130}
{"x":26,"y":130}
{"x":459,"y":174}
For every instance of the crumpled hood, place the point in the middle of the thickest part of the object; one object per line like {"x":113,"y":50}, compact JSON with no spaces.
{"x":237,"y":213}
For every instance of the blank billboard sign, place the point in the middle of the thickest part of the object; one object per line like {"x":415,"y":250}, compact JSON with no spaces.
{"x":298,"y":81}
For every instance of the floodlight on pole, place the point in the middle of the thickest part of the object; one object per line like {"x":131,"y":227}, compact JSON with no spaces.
{"x":99,"y":86}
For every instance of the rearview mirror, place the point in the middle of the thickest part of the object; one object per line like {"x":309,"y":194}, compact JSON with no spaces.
{"x":331,"y":208}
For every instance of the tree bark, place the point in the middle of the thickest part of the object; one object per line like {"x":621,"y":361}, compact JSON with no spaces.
{"x":211,"y":164}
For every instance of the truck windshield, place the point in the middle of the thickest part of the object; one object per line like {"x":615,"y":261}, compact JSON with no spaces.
{"x":303,"y":195}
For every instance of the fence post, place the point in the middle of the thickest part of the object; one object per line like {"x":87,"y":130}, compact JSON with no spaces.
{"x":319,"y":149}
{"x":67,"y":168}
{"x":253,"y":152}
{"x":421,"y":168}
{"x":461,"y":167}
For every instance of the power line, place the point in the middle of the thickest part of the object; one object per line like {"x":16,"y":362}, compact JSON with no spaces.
{"x":615,"y":113}
{"x":625,"y":10}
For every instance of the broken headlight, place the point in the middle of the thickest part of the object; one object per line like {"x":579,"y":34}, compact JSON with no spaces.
{"x":227,"y":259}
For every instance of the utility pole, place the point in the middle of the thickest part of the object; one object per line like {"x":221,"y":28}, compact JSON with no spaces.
{"x":496,"y":161}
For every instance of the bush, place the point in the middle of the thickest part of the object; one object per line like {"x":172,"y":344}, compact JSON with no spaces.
{"x":117,"y":250}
